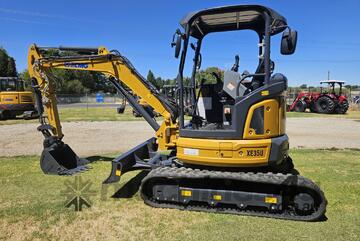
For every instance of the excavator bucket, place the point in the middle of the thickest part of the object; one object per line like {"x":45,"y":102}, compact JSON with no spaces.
{"x":62,"y":160}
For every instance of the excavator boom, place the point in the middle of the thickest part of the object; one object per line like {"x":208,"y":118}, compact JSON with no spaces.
{"x":113,"y":65}
{"x":57,"y":157}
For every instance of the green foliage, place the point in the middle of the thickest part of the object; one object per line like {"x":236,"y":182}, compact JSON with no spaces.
{"x":170,"y":82}
{"x":150,"y":76}
{"x":73,"y":87}
{"x":187,"y":81}
{"x":80,"y":82}
{"x":7,"y":64}
{"x":158,"y":82}
{"x":11,"y":69}
{"x":352,"y":87}
{"x":25,"y":76}
{"x":208,"y":76}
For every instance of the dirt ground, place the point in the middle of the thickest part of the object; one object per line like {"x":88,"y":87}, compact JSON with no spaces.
{"x":95,"y":138}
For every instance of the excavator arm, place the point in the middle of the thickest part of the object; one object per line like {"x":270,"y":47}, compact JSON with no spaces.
{"x":117,"y":68}
{"x":57,"y":157}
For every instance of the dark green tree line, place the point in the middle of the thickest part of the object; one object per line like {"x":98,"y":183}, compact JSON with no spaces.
{"x":7,"y":64}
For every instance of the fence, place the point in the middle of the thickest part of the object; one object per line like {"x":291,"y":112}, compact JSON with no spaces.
{"x":88,"y":98}
{"x":291,"y":93}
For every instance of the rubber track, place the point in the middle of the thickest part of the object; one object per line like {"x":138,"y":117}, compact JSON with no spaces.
{"x":268,"y":178}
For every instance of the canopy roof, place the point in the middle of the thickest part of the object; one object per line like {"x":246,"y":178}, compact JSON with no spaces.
{"x":229,"y":18}
{"x":332,"y":81}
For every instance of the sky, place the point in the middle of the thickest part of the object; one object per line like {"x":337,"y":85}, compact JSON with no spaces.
{"x":328,"y":34}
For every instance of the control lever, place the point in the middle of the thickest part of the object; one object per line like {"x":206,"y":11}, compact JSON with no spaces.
{"x":235,"y":67}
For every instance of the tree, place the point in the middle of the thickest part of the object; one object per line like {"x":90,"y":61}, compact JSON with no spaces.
{"x":7,"y":64}
{"x":151,"y":77}
{"x":25,"y":76}
{"x":186,"y":81}
{"x":303,"y":86}
{"x":170,"y":82}
{"x":157,"y":82}
{"x":73,"y":87}
{"x":207,"y":75}
{"x":11,"y":68}
{"x":80,"y":82}
{"x":4,"y":62}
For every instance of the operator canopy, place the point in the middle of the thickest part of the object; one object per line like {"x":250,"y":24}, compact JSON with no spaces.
{"x":229,"y":18}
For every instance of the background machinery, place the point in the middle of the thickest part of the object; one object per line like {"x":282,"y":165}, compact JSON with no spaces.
{"x":171,"y":92}
{"x":327,"y":102}
{"x":233,"y":160}
{"x":14,"y":100}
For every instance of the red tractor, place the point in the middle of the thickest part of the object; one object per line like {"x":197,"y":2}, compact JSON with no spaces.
{"x":327,"y":102}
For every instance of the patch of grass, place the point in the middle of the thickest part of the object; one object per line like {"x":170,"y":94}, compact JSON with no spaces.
{"x":32,"y":207}
{"x":85,"y":114}
{"x":349,"y":115}
{"x":96,"y":114}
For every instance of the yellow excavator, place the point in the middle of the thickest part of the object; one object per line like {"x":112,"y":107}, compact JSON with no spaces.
{"x":232,"y":160}
{"x":14,"y":100}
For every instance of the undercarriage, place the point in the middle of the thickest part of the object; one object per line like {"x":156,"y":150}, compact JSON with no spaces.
{"x":275,"y":195}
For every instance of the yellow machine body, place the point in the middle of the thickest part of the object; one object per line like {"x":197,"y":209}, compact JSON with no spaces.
{"x":16,"y":97}
{"x":227,"y":153}
{"x":251,"y":150}
{"x":14,"y":100}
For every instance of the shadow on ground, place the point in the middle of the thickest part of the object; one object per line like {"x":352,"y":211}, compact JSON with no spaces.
{"x":99,"y":158}
{"x":129,"y":189}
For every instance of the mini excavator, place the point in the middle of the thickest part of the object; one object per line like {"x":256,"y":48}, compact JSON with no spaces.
{"x":232,"y":160}
{"x":15,"y":100}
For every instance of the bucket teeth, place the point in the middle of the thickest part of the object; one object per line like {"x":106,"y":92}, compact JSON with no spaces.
{"x":74,"y":171}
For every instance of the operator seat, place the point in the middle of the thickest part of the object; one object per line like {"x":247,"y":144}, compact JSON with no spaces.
{"x":213,"y":105}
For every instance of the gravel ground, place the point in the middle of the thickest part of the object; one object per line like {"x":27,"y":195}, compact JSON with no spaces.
{"x":96,"y":138}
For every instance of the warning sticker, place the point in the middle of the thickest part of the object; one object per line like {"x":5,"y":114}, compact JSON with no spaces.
{"x":191,"y":152}
{"x":230,"y":86}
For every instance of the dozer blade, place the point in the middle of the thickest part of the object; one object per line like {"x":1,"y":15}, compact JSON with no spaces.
{"x":132,"y":160}
{"x":62,"y":160}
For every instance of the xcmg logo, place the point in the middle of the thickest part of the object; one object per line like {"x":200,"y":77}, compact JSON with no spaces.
{"x":76,"y":65}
